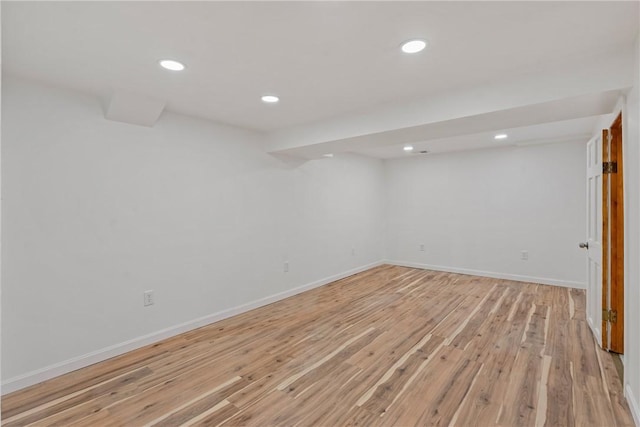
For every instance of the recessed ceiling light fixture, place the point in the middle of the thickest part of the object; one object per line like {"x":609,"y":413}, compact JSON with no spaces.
{"x":328,"y":155}
{"x":270,"y":99}
{"x":172,"y":65}
{"x":413,"y":46}
{"x":408,"y":148}
{"x":500,"y":136}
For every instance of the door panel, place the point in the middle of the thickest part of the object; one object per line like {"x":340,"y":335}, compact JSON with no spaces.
{"x":594,"y":234}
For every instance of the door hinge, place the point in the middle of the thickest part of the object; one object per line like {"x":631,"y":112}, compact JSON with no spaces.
{"x":609,"y":167}
{"x":609,"y":315}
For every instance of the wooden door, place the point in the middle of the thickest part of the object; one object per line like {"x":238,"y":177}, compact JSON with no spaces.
{"x":613,"y":240}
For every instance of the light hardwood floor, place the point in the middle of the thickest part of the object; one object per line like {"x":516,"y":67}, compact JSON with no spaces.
{"x":390,"y":346}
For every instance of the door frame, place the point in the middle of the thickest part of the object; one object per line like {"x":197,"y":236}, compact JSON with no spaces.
{"x":613,"y":241}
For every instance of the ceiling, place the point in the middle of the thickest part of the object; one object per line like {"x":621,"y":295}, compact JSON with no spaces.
{"x":580,"y":129}
{"x":326,"y":60}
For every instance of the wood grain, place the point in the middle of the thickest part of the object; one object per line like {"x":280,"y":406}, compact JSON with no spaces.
{"x":389,"y":346}
{"x":606,"y":239}
{"x":617,"y":237}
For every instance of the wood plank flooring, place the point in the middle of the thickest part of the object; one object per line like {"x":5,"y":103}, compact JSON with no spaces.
{"x":391,"y":346}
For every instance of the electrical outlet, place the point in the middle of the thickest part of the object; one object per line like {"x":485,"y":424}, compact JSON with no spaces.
{"x":286,"y":266}
{"x":148,"y":298}
{"x":422,"y":248}
{"x":524,"y":255}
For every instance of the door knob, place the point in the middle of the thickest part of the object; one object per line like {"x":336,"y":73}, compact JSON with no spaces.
{"x":584,"y":245}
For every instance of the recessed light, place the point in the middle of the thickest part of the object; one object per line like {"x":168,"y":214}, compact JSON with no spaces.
{"x":413,"y":46}
{"x":172,"y":65}
{"x":500,"y":136}
{"x":408,"y":148}
{"x":328,"y":155}
{"x":270,"y":99}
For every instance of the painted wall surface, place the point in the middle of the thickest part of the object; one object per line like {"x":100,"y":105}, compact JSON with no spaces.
{"x":631,"y":152}
{"x":95,"y":212}
{"x":477,"y":211}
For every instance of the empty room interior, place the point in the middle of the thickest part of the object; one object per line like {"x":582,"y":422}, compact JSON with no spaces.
{"x":321,"y":213}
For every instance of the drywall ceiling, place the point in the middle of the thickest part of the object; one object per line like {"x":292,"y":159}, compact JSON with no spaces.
{"x":580,"y":129}
{"x":324,"y":59}
{"x":450,"y":132}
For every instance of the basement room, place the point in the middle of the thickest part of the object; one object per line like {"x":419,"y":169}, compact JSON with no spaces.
{"x":320,"y":213}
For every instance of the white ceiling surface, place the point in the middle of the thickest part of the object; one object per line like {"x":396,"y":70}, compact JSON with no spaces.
{"x":563,"y":131}
{"x":325,"y":60}
{"x":527,"y":117}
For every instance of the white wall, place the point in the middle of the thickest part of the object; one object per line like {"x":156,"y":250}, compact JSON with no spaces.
{"x":631,"y":152}
{"x":95,"y":212}
{"x":476,"y":211}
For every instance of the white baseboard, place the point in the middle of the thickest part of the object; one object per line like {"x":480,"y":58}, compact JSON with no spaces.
{"x":633,"y":405}
{"x":48,"y":372}
{"x":597,"y":335}
{"x":494,"y":275}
